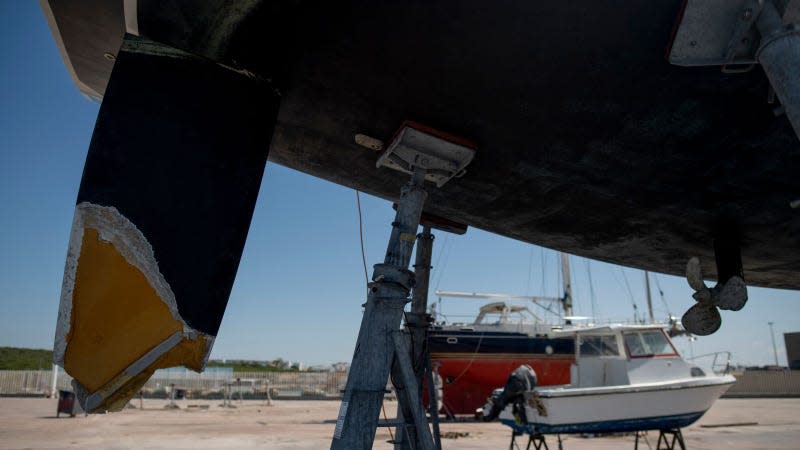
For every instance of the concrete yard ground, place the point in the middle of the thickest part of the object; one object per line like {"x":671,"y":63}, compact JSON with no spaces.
{"x":27,"y":423}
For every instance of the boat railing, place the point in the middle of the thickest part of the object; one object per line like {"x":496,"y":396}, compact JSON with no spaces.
{"x":720,"y":361}
{"x":515,"y":318}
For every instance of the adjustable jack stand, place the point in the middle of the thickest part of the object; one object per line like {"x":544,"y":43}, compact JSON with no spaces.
{"x":536,"y":440}
{"x":172,"y":404}
{"x":269,"y":394}
{"x":227,"y":400}
{"x":669,"y":444}
{"x":380,"y":344}
{"x":417,"y":323}
{"x":670,"y":439}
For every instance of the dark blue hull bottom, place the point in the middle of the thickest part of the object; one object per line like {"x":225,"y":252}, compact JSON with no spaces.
{"x":609,"y":426}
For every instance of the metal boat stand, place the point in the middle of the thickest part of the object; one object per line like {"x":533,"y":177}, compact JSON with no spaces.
{"x":536,"y":440}
{"x":667,"y":439}
{"x":417,"y":323}
{"x":382,"y":348}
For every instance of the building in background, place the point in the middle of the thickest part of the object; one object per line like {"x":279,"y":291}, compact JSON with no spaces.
{"x":792,"y":341}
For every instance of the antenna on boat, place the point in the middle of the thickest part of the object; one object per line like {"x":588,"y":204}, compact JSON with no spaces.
{"x":591,"y":285}
{"x":566,"y":301}
{"x":649,"y":297}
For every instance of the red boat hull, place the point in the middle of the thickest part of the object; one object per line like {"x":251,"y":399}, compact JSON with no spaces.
{"x":468,"y":380}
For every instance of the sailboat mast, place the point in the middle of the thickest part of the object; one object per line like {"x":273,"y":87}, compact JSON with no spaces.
{"x":649,"y":298}
{"x":566,"y":302}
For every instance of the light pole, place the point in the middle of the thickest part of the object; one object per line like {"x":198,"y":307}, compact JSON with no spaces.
{"x":774,"y":348}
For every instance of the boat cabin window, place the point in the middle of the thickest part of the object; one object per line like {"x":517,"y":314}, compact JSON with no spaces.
{"x":598,"y":345}
{"x":647,"y":343}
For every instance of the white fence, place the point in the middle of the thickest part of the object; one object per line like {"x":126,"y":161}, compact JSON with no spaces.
{"x":764,"y":383}
{"x":249,"y":384}
{"x":31,"y":382}
{"x":280,"y":384}
{"x":318,"y":384}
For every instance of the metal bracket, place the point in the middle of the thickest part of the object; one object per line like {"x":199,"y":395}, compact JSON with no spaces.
{"x":736,"y":35}
{"x":717,"y":33}
{"x":394,"y":274}
{"x":441,"y":156}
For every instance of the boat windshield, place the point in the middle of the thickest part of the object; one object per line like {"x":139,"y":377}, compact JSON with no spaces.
{"x":647,"y":343}
{"x":602,"y":345}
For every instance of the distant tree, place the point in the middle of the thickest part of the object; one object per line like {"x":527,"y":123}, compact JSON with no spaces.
{"x":279,"y":363}
{"x":12,"y":358}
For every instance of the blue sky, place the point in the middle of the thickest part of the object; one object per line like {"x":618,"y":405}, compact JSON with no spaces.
{"x":301,"y":283}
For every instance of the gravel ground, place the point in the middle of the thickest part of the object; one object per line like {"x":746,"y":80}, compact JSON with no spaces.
{"x":31,"y":423}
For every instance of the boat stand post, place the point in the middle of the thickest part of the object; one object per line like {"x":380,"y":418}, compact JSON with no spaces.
{"x":426,"y":155}
{"x":417,"y":322}
{"x":269,"y":395}
{"x":670,"y":438}
{"x":375,"y":346}
{"x":433,"y":402}
{"x":409,"y":398}
{"x":537,"y":440}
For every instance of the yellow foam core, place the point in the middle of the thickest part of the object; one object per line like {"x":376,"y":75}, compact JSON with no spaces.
{"x":117,"y":317}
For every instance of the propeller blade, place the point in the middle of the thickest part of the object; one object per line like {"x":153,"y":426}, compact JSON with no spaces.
{"x":701,"y":320}
{"x":694,"y":274}
{"x":702,"y":296}
{"x":733,"y":295}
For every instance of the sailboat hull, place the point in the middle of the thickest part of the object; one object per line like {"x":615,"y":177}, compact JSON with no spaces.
{"x":473,"y":363}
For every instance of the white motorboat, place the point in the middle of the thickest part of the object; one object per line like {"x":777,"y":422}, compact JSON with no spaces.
{"x":625,"y":378}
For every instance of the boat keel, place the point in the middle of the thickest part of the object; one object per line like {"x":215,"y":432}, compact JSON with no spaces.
{"x":164,"y":207}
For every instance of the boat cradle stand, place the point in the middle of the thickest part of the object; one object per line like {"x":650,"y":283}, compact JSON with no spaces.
{"x":668,"y":439}
{"x":382,"y":348}
{"x":537,"y":440}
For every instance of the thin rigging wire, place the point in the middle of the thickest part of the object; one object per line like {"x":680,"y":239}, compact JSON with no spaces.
{"x":630,"y":294}
{"x":443,"y":256}
{"x":661,"y":293}
{"x":474,"y":355}
{"x":361,"y":236}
